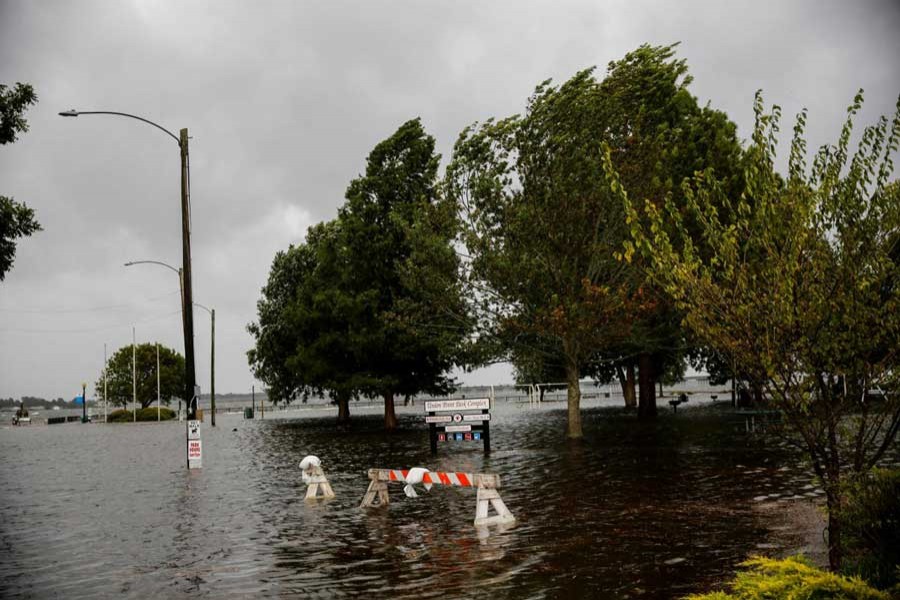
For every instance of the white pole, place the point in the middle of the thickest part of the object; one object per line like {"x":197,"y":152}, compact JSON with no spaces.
{"x":104,"y":384}
{"x":133,"y":375}
{"x":157,"y":383}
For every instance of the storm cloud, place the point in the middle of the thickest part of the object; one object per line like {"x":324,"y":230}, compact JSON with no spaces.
{"x":284,"y":100}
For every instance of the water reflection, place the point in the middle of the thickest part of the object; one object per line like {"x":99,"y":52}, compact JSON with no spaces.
{"x":635,"y":510}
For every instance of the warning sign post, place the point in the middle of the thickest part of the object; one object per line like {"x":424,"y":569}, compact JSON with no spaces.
{"x":194,"y":445}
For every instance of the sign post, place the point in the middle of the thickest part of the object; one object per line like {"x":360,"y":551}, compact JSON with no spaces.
{"x":459,"y":421}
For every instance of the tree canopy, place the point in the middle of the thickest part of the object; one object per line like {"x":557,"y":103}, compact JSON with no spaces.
{"x":119,"y":375}
{"x":371,"y":305}
{"x":13,"y":103}
{"x":16,"y":219}
{"x":543,"y":229}
{"x":795,"y":278}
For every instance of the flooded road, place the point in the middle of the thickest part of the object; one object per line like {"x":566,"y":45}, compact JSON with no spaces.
{"x":634,"y":511}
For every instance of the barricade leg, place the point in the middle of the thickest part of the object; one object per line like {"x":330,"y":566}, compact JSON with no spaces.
{"x":377,"y":490}
{"x":486,"y":498}
{"x":318,"y":483}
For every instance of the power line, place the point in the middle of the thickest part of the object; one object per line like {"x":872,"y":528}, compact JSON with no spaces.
{"x":38,"y":311}
{"x":91,"y":329}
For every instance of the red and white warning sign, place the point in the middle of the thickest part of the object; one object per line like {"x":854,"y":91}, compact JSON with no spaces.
{"x":195,"y":450}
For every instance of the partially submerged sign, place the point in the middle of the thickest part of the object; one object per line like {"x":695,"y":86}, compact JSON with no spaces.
{"x":469,"y":421}
{"x":194,"y":445}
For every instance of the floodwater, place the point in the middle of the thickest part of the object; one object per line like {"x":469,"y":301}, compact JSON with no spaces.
{"x":633,"y":511}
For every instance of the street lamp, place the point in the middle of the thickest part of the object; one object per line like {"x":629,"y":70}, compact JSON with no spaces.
{"x":212,"y":361}
{"x":186,"y":289}
{"x":84,"y":402}
{"x":212,"y":314}
{"x":180,"y":274}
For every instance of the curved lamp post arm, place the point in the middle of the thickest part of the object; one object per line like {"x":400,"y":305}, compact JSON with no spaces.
{"x":75,"y":113}
{"x":203,"y":307}
{"x":153,"y":262}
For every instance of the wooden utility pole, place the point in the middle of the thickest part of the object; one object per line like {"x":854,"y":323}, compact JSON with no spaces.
{"x":188,"y":300}
{"x":212,"y":367}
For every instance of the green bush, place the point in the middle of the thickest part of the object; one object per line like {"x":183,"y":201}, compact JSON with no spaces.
{"x":871,"y":518}
{"x":792,"y":579}
{"x":143,"y":414}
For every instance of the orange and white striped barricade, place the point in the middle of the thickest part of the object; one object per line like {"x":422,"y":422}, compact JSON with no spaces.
{"x":486,"y":485}
{"x":315,"y":479}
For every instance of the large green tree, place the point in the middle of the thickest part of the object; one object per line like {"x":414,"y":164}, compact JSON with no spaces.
{"x":543,"y":229}
{"x":397,"y":233}
{"x":16,"y":219}
{"x":797,"y":279}
{"x":119,"y":374}
{"x":658,"y":136}
{"x":306,"y":333}
{"x":371,"y":305}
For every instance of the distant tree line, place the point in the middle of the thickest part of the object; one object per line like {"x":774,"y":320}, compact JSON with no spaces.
{"x":35,"y":402}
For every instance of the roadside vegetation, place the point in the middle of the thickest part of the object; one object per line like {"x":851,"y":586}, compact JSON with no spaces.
{"x":143,"y":414}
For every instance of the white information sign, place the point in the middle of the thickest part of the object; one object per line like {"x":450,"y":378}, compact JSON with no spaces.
{"x":448,"y":405}
{"x":476,"y":417}
{"x":452,"y":428}
{"x":438,"y":418}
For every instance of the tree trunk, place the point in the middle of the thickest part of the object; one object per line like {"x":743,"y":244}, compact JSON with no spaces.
{"x":835,"y":552}
{"x":626,"y":380}
{"x":757,"y":393}
{"x":646,"y":387}
{"x":573,"y":431}
{"x":390,"y":417}
{"x":343,"y":409}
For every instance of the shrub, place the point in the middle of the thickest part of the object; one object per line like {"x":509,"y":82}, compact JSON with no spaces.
{"x":871,"y":517}
{"x":143,"y":414}
{"x":792,"y":578}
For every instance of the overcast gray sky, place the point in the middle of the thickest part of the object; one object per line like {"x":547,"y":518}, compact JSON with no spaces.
{"x":284,"y":100}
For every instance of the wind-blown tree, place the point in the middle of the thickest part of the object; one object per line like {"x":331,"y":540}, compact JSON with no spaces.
{"x":119,"y":375}
{"x":306,"y":340}
{"x":659,"y":135}
{"x":798,"y":279}
{"x":397,"y":236}
{"x":371,"y":305}
{"x":16,"y":219}
{"x":541,"y":228}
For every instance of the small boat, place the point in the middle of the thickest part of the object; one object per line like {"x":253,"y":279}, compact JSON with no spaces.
{"x":21,"y":417}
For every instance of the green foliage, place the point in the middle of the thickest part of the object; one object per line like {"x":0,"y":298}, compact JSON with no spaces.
{"x":792,"y":579}
{"x":797,"y":279}
{"x":13,"y":102}
{"x":543,"y":229}
{"x":398,"y":249}
{"x":143,"y":414}
{"x":305,"y":335}
{"x":16,"y":219}
{"x":871,"y":515}
{"x":371,"y":304}
{"x":119,"y":375}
